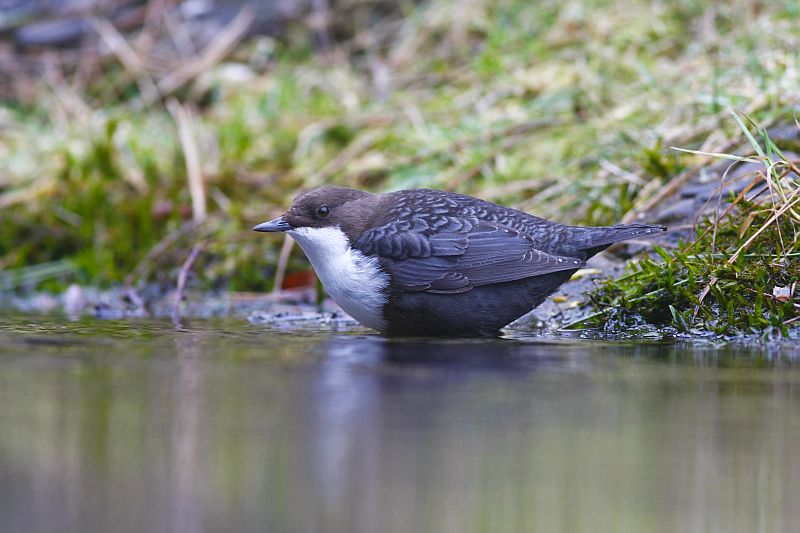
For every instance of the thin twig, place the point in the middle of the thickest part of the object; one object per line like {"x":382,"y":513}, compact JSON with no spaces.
{"x":791,"y":320}
{"x":160,"y":247}
{"x":182,"y":275}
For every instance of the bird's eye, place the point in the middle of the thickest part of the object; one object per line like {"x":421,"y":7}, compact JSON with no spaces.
{"x":323,"y":211}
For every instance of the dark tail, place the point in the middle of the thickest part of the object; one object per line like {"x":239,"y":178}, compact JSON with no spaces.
{"x":607,"y":235}
{"x":594,"y":240}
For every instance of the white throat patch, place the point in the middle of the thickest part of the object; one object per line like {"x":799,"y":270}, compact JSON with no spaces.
{"x":353,"y":280}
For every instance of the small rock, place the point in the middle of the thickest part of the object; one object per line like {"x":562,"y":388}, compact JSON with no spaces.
{"x":74,"y":300}
{"x":782,"y":294}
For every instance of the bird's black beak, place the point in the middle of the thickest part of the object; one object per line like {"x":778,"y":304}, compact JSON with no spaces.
{"x":279,"y":224}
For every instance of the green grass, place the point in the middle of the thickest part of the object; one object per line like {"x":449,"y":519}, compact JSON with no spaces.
{"x":566,"y":109}
{"x":738,"y":276}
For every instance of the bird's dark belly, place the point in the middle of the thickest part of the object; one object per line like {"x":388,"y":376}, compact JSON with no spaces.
{"x":482,"y":311}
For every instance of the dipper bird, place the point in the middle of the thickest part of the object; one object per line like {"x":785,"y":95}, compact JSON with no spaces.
{"x":427,"y":262}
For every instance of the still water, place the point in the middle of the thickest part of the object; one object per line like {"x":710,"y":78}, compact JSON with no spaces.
{"x":225,"y":426}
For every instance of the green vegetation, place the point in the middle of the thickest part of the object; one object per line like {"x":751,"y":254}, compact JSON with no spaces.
{"x":567,"y":109}
{"x":738,"y":275}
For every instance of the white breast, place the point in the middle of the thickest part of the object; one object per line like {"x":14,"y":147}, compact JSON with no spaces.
{"x":353,"y":280}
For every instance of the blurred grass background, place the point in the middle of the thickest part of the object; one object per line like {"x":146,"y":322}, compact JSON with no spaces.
{"x":566,"y":109}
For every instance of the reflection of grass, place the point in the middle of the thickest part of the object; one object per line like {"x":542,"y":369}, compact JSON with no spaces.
{"x":740,"y":274}
{"x":562,"y":108}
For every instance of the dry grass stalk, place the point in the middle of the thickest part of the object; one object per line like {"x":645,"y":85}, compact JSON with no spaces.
{"x":191,"y":155}
{"x":283,"y":262}
{"x":130,"y":60}
{"x":212,"y":54}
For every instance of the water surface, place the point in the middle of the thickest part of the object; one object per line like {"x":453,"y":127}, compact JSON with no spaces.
{"x":225,"y":426}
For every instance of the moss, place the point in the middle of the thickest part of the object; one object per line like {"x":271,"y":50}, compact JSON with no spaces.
{"x":725,"y":280}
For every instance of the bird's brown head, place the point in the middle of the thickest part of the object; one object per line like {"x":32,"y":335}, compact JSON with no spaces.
{"x":347,"y":209}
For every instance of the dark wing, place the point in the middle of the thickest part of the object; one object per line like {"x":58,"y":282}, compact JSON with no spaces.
{"x":468,"y":254}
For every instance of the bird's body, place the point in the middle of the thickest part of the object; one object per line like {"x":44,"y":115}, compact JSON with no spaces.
{"x":427,"y":262}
